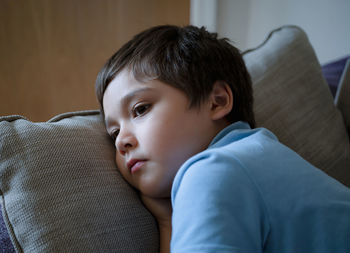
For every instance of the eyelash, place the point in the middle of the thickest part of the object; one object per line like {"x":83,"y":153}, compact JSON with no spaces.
{"x":135,"y":113}
{"x":114,"y":135}
{"x":136,"y":110}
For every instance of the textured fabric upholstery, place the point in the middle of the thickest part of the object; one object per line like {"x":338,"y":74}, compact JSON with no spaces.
{"x":342,"y":98}
{"x":293,"y":100}
{"x":61,"y":191}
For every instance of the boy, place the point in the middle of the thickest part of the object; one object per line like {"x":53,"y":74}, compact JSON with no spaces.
{"x":178,"y":104}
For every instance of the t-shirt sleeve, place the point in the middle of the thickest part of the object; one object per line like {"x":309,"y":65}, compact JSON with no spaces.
{"x":217,"y":208}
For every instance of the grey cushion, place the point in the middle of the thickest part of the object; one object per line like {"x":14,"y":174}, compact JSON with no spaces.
{"x":61,"y":191}
{"x":293,"y":100}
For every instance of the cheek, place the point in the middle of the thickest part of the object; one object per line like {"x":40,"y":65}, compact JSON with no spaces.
{"x":120,"y":164}
{"x":119,"y":160}
{"x":171,"y":148}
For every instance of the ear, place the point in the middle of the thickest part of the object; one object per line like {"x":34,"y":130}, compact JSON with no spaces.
{"x":221,"y":100}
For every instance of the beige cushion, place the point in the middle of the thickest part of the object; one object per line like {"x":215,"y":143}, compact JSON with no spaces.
{"x":293,"y":100}
{"x":61,"y":191}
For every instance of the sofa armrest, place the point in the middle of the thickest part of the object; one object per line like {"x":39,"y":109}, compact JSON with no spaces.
{"x":342,"y":98}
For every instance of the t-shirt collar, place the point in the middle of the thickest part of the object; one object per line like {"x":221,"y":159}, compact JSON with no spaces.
{"x":219,"y":139}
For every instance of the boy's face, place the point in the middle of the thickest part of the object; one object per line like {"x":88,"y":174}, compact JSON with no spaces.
{"x":155,"y":131}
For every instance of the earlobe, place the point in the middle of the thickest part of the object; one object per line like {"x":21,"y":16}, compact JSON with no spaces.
{"x":221,"y":99}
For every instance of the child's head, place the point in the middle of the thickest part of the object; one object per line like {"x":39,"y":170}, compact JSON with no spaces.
{"x":165,"y":95}
{"x":189,"y":59}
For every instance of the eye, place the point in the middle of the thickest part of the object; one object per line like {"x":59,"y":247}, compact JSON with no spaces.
{"x":140,"y":110}
{"x":114,"y":134}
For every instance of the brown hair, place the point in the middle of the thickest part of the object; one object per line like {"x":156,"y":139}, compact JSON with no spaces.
{"x":188,"y":58}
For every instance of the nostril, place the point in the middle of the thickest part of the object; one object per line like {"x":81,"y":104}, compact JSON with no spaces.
{"x":124,"y":142}
{"x":122,"y":152}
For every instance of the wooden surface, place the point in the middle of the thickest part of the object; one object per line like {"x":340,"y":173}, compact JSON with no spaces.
{"x":52,"y":50}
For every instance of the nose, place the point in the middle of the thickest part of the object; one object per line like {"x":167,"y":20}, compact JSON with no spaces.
{"x":125,"y":141}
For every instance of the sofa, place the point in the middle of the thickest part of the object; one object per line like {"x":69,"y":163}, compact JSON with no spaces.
{"x":60,"y":188}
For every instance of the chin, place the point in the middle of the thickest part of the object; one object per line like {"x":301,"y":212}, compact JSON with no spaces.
{"x":154,"y":185}
{"x":155,"y":192}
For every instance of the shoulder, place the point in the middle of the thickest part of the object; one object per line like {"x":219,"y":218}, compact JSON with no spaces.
{"x":227,"y":161}
{"x":214,"y":177}
{"x":210,"y":169}
{"x":214,"y":193}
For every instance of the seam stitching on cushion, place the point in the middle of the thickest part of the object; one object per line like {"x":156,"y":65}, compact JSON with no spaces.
{"x":71,"y":114}
{"x":10,"y":118}
{"x":269,"y":36}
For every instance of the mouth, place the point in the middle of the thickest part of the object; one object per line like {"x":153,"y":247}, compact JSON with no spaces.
{"x":135,"y":165}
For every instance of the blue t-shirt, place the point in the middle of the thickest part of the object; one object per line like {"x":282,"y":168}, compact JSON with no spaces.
{"x":248,"y":193}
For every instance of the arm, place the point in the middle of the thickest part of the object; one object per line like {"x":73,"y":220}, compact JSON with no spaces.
{"x":161,"y":210}
{"x":217,"y":208}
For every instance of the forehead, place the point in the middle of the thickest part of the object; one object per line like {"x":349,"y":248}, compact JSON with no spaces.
{"x":121,"y":89}
{"x":123,"y":80}
{"x":122,"y":84}
{"x":125,"y":85}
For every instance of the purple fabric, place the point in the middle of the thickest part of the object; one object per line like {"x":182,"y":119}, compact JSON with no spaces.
{"x":5,"y":241}
{"x":332,"y":72}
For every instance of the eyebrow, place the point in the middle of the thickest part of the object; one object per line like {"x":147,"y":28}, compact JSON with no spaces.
{"x":127,"y":98}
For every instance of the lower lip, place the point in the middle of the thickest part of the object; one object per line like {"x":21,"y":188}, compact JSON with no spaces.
{"x":137,"y":166}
